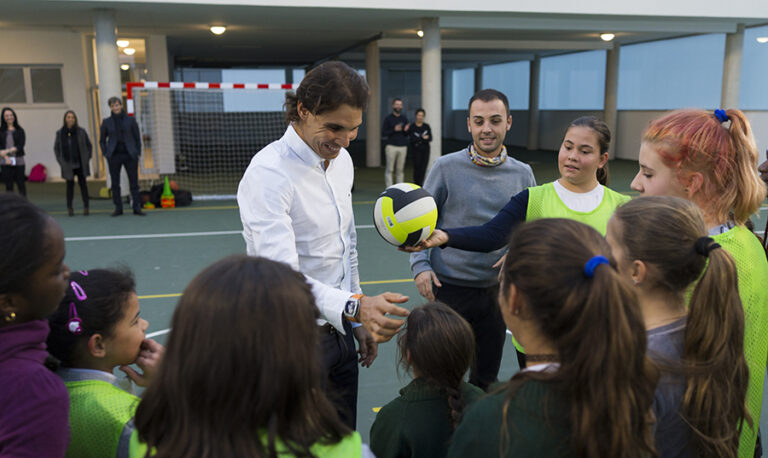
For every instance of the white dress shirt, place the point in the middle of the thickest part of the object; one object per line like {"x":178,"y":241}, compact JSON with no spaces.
{"x":295,"y":211}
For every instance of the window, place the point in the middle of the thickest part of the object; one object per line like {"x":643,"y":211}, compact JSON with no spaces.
{"x":31,"y":84}
{"x":512,"y":79}
{"x":573,"y":81}
{"x":12,"y":85}
{"x":463,"y":87}
{"x":753,"y":90}
{"x":669,"y":74}
{"x":259,"y":100}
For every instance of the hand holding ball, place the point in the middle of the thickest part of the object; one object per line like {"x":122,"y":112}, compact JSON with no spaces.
{"x":405,"y":214}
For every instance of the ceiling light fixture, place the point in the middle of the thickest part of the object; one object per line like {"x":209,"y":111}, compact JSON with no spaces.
{"x":123,"y":43}
{"x":218,"y":29}
{"x":420,"y":33}
{"x":607,"y":36}
{"x":129,"y":51}
{"x":125,"y":67}
{"x":762,"y":39}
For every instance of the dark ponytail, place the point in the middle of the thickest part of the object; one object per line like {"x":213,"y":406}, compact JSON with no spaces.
{"x":595,"y":325}
{"x":438,"y":345}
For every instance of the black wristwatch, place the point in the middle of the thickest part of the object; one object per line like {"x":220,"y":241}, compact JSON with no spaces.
{"x":352,"y":308}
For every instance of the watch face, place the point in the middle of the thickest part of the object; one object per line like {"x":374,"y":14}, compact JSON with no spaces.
{"x":350,"y":307}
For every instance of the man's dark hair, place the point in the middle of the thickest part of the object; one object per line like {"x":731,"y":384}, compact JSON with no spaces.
{"x":420,"y":110}
{"x":113,"y":100}
{"x":325,"y":88}
{"x":396,"y":99}
{"x":488,"y":95}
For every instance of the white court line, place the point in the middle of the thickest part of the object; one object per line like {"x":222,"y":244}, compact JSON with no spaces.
{"x":158,"y":333}
{"x":160,"y":236}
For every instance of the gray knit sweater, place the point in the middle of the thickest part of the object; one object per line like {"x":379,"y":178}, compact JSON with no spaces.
{"x":468,"y":195}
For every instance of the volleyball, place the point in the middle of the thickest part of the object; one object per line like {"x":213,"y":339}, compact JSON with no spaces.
{"x":405,"y":214}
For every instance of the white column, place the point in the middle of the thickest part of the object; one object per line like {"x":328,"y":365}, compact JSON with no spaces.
{"x":610,"y":113}
{"x":373,"y":114}
{"x":734,"y":44}
{"x":108,"y":72}
{"x":108,"y":64}
{"x":431,"y":83}
{"x":533,"y":105}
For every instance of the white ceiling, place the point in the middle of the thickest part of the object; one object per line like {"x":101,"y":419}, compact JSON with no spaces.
{"x":278,"y":35}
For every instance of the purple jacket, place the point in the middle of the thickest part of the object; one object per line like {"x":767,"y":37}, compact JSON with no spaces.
{"x":34,"y":405}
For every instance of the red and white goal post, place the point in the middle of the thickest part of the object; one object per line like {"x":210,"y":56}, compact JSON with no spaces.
{"x":203,"y":135}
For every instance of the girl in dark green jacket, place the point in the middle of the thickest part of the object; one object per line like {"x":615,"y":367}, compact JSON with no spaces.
{"x":588,"y":387}
{"x":438,"y":347}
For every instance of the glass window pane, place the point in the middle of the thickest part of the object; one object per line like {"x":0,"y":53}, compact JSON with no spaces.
{"x":511,"y":79}
{"x":298,"y":75}
{"x":670,"y":74}
{"x":46,"y":85}
{"x":12,"y":85}
{"x":573,"y":81}
{"x":753,"y":91}
{"x":259,"y":100}
{"x":463,"y":87}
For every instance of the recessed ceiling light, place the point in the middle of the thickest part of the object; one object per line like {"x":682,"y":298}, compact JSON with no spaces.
{"x":762,"y":39}
{"x":129,"y":51}
{"x":123,"y":43}
{"x":125,"y":67}
{"x":420,"y":33}
{"x":607,"y":36}
{"x":218,"y":29}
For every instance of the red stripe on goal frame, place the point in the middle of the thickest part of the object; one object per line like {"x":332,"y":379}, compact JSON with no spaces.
{"x":129,"y":87}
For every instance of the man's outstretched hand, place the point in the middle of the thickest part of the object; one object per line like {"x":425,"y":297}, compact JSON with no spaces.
{"x":373,"y":311}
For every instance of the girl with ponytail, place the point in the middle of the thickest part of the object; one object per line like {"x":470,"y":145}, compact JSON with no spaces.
{"x":437,"y":346}
{"x":588,"y":388}
{"x":661,"y":245}
{"x":711,"y":159}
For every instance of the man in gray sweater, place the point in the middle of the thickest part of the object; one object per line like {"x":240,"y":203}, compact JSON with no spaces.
{"x":470,"y":186}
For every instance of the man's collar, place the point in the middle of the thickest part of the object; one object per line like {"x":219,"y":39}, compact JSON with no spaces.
{"x":300,"y":147}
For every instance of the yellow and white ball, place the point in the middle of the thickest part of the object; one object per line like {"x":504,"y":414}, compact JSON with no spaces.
{"x":405,"y":214}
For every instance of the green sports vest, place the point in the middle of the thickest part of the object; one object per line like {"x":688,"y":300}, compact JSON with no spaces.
{"x":100,"y":414}
{"x":543,"y":202}
{"x":752,"y":271}
{"x":349,"y":447}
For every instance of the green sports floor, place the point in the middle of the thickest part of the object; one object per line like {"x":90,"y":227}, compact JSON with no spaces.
{"x":167,"y":248}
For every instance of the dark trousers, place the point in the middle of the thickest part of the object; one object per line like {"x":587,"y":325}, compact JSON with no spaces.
{"x":14,"y":174}
{"x":340,"y":366}
{"x":420,"y":161}
{"x":479,"y":306}
{"x":123,"y":159}
{"x":83,"y":187}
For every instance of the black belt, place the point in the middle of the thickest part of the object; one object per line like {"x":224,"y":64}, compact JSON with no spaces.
{"x":326,"y":328}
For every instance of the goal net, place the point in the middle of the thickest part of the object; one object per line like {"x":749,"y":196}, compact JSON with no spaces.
{"x":203,"y":135}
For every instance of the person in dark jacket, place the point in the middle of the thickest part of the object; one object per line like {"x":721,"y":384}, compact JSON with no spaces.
{"x":72,"y":148}
{"x":120,"y":143}
{"x":12,"y":141}
{"x":419,"y":137}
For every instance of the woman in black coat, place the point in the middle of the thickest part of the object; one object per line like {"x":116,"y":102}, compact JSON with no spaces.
{"x":73,"y":152}
{"x":12,"y":141}
{"x":419,"y":137}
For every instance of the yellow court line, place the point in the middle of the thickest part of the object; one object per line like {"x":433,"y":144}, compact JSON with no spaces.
{"x":376,"y":282}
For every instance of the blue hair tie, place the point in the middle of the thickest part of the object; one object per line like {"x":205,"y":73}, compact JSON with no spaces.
{"x":591,"y":265}
{"x":721,"y":116}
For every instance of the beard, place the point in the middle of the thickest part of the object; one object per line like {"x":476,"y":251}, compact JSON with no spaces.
{"x":397,"y":110}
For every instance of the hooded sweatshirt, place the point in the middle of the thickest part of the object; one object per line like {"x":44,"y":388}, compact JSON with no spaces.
{"x":34,"y":405}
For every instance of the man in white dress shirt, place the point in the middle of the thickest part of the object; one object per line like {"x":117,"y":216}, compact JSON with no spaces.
{"x":295,"y":203}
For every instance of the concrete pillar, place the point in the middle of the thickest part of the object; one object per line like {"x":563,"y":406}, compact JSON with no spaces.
{"x":431,"y":83}
{"x":734,"y":44}
{"x":478,"y":77}
{"x":158,"y":135}
{"x":108,"y":72}
{"x":108,"y":64}
{"x":533,"y":105}
{"x":373,"y":114}
{"x":610,"y":113}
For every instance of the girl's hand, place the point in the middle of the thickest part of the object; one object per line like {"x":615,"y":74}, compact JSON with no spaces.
{"x":148,"y":361}
{"x":437,"y":238}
